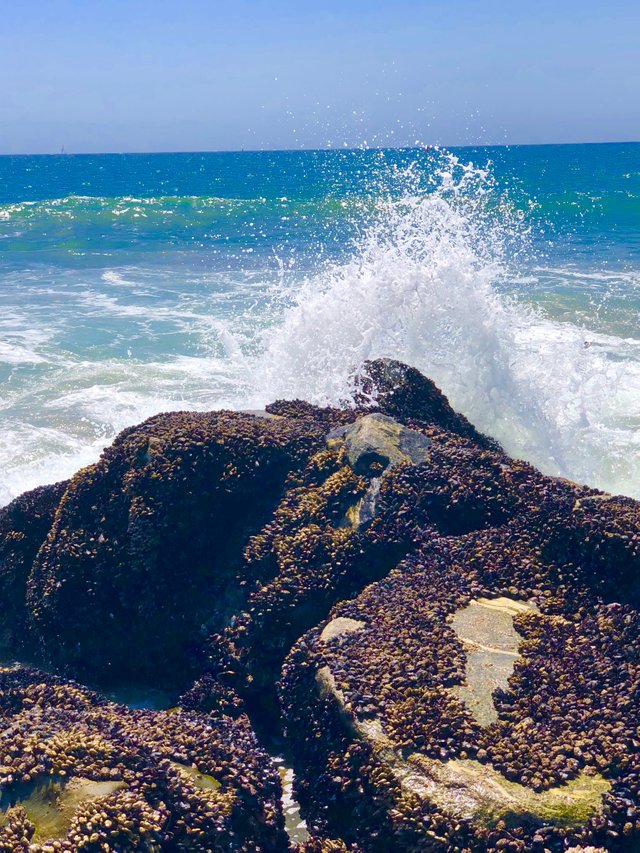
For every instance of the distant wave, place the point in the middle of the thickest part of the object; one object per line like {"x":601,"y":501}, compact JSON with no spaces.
{"x":131,"y":207}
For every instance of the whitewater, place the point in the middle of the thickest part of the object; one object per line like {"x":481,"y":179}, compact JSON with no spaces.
{"x":116,"y":307}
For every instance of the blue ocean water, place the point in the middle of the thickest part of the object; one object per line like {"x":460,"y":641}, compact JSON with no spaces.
{"x":132,"y":284}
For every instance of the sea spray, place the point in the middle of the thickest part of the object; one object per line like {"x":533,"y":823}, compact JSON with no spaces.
{"x":423,"y":286}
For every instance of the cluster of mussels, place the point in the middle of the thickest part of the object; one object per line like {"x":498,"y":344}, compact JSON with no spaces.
{"x":152,"y":536}
{"x":375,"y":706}
{"x":320,"y":561}
{"x":137,"y":779}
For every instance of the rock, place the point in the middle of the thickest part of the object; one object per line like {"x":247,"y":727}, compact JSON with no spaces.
{"x":76,"y":767}
{"x":336,"y":530}
{"x":145,"y":555}
{"x":24,"y":524}
{"x":312,"y":561}
{"x":483,"y":694}
{"x":397,"y":390}
{"x":404,"y":393}
{"x":50,"y":805}
{"x":259,"y":413}
{"x":454,"y":636}
{"x":598,"y":533}
{"x":296,"y":410}
{"x":376,"y":442}
{"x":491,"y":644}
{"x":340,"y":626}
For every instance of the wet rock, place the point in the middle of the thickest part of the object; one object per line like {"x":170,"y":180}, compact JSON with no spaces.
{"x":376,"y":442}
{"x":329,"y":417}
{"x":476,"y":689}
{"x":485,"y":697}
{"x":80,"y":773}
{"x":259,"y":413}
{"x":404,"y":393}
{"x":50,"y":804}
{"x":600,"y":534}
{"x":491,"y":644}
{"x":340,"y":626}
{"x":314,"y":560}
{"x":24,"y":525}
{"x":145,"y":555}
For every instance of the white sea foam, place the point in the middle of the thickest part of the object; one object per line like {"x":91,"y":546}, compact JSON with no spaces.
{"x":62,"y":420}
{"x":114,"y":277}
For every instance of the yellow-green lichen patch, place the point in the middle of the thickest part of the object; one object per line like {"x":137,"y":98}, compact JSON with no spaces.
{"x":75,"y":765}
{"x":470,"y":789}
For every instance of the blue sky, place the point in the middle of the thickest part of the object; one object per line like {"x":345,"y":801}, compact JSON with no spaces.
{"x":161,"y":75}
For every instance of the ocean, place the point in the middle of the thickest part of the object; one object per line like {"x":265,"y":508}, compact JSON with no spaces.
{"x":134,"y":284}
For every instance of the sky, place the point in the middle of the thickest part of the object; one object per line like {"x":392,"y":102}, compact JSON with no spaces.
{"x":200,"y":75}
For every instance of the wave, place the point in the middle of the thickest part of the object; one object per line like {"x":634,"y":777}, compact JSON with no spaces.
{"x":67,"y":414}
{"x":423,"y":287}
{"x":119,"y":209}
{"x":430,"y":256}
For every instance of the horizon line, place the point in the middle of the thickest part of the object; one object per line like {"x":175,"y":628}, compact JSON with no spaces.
{"x":347,"y":149}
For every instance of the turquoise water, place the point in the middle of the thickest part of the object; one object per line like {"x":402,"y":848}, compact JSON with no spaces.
{"x":132,"y":284}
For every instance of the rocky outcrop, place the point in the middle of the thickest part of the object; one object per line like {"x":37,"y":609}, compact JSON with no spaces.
{"x":376,"y":442}
{"x":24,"y":525}
{"x":80,"y":773}
{"x":402,"y":392}
{"x":451,"y":636}
{"x":482,"y":696}
{"x":328,"y":539}
{"x":145,"y":552}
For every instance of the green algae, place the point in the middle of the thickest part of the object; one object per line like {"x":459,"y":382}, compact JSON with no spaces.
{"x":202,"y":781}
{"x":466,"y":787}
{"x":51,"y":803}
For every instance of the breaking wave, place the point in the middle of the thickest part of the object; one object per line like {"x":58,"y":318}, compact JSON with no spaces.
{"x":426,"y":286}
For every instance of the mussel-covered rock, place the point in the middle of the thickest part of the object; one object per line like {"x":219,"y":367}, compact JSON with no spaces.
{"x":459,"y":634}
{"x":484,"y":695}
{"x":368,"y":498}
{"x":145,"y":554}
{"x":24,"y":524}
{"x":327,"y":845}
{"x":81,"y":773}
{"x":325,"y":541}
{"x":404,"y":393}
